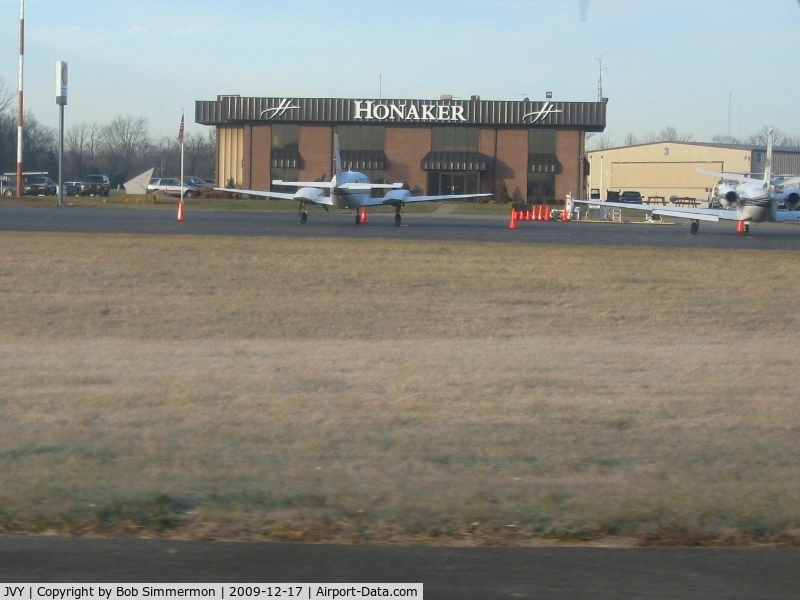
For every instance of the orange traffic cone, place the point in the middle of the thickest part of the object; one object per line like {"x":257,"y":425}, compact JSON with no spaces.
{"x":565,"y":214}
{"x":363,"y":215}
{"x":547,"y":212}
{"x":512,"y":224}
{"x":739,"y":226}
{"x":180,"y":210}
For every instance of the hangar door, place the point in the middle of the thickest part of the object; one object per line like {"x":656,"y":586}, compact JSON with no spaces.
{"x":663,"y":178}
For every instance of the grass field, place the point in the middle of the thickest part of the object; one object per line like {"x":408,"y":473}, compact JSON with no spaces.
{"x":388,"y":391}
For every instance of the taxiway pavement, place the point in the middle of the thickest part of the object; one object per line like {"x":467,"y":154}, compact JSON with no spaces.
{"x":431,"y":226}
{"x":447,"y":573}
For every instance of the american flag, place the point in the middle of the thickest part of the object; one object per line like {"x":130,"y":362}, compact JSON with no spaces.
{"x":180,"y":131}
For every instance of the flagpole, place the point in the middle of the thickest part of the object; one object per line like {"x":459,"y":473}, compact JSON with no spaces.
{"x":180,"y":200}
{"x":182,"y":117}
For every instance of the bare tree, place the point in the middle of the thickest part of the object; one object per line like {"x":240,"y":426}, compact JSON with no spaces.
{"x":668,"y":134}
{"x":6,"y":96}
{"x":81,"y":144}
{"x":125,"y":144}
{"x":725,"y":139}
{"x":631,"y":140}
{"x":602,"y":142}
{"x":201,"y":152}
{"x":760,"y":138}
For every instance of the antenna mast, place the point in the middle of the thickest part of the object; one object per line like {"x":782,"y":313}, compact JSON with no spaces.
{"x":600,"y":81}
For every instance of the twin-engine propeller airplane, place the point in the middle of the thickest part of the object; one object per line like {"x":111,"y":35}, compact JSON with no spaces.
{"x":743,"y":199}
{"x":348,"y":189}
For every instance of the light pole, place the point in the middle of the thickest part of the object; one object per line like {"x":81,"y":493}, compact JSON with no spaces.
{"x":61,"y":100}
{"x":20,"y":182}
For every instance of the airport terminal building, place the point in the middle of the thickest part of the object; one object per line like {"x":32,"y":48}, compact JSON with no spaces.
{"x":535,"y":148}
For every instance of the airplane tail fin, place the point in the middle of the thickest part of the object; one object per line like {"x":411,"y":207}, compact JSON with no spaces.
{"x":337,"y":156}
{"x":768,"y":163}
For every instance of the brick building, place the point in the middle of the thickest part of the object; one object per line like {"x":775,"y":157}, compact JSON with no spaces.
{"x":435,"y":146}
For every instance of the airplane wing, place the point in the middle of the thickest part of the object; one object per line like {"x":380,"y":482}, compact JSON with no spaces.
{"x":257,"y":193}
{"x":699,"y":214}
{"x":369,"y":186}
{"x":404,"y":197}
{"x":325,"y":185}
{"x":318,"y":199}
{"x":445,"y":197}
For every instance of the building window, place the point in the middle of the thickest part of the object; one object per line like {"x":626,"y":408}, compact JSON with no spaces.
{"x":541,"y":141}
{"x":454,"y":139}
{"x":285,"y":174}
{"x":285,"y":162}
{"x":285,"y":137}
{"x":361,"y":137}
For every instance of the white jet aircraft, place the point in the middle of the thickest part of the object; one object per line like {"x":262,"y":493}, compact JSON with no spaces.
{"x":744,"y":199}
{"x":348,"y":189}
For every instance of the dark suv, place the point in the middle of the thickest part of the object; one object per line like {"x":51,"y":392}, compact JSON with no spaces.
{"x":95,"y":185}
{"x":630,"y":198}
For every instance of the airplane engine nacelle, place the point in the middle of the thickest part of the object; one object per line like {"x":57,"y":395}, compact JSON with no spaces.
{"x":792,"y":199}
{"x":396,"y":196}
{"x":725,"y":194}
{"x":729,"y":200}
{"x":309,"y":194}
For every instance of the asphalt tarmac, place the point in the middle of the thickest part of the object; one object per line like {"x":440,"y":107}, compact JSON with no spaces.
{"x":446,"y":572}
{"x":432,"y":226}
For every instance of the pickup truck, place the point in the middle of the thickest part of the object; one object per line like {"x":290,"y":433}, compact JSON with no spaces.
{"x":95,"y":185}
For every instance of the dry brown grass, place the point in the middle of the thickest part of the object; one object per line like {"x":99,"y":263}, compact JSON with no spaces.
{"x":391,"y":391}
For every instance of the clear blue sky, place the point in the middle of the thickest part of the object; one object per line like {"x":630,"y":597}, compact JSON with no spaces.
{"x":667,"y":62}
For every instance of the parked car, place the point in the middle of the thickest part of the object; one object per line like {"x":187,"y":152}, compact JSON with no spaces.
{"x":95,"y":185}
{"x":8,"y":187}
{"x":172,"y":187}
{"x":200,"y":184}
{"x":72,"y":188}
{"x":40,"y":186}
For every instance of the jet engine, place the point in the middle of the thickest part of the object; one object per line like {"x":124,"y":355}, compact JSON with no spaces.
{"x":724,"y":193}
{"x":787,"y":191}
{"x":792,"y":200}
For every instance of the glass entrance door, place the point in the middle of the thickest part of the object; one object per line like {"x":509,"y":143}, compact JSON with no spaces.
{"x":465,"y":182}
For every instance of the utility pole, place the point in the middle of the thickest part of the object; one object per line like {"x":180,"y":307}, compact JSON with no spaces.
{"x":20,"y":182}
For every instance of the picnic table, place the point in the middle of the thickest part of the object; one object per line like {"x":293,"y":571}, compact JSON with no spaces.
{"x":687,"y":202}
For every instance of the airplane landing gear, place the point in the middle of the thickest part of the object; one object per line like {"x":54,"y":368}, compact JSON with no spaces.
{"x":303,"y":213}
{"x":398,"y":218}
